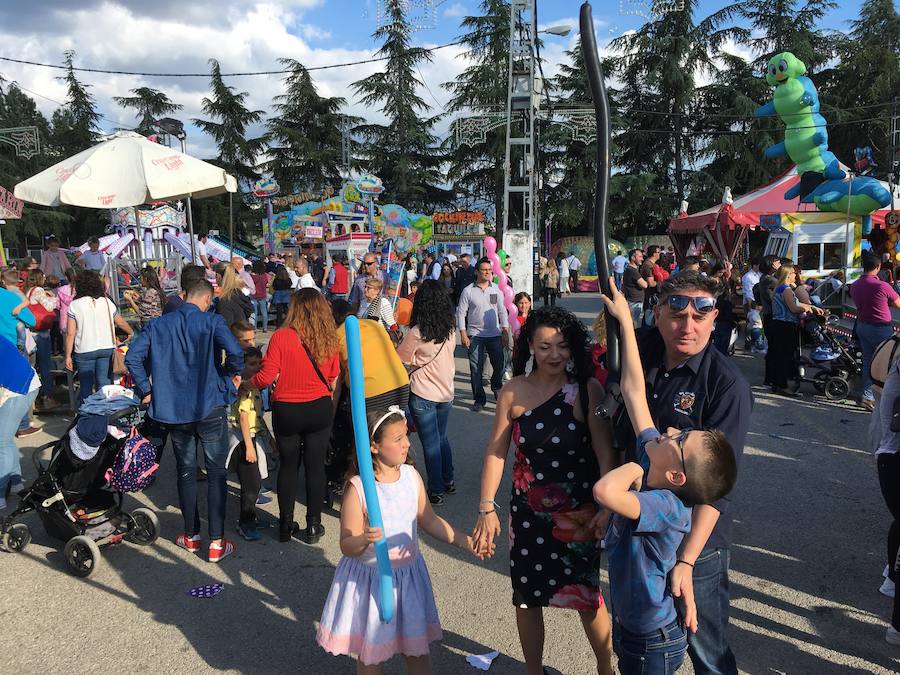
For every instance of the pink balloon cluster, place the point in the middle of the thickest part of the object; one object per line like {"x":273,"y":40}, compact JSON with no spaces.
{"x":490,"y":249}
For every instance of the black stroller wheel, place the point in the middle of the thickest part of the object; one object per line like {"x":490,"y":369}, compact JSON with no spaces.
{"x":837,"y":389}
{"x":146,"y":527}
{"x":82,"y":555}
{"x":17,"y":538}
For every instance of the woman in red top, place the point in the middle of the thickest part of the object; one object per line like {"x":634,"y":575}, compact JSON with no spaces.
{"x":303,"y":358}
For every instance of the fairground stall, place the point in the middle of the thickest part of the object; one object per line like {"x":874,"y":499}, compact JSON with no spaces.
{"x":458,"y":232}
{"x":819,"y":240}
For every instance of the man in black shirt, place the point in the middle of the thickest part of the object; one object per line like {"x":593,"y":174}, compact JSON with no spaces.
{"x":652,"y":290}
{"x":633,"y":285}
{"x":691,"y":385}
{"x":465,"y":276}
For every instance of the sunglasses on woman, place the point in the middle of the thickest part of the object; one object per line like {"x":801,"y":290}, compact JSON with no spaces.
{"x":703,"y":304}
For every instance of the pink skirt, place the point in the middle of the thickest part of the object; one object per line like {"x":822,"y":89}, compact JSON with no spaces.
{"x":351,"y":624}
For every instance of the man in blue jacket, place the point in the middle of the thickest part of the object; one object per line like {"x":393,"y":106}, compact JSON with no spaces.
{"x":178,"y":369}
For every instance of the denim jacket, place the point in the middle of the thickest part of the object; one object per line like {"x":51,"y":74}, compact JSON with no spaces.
{"x":178,"y":357}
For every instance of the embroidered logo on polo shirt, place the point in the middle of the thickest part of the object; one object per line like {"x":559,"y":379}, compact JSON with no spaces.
{"x":684,"y":402}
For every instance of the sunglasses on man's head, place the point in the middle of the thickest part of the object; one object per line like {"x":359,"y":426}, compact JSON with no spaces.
{"x":703,"y":304}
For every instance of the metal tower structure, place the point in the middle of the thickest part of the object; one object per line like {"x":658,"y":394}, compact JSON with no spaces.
{"x":521,"y":107}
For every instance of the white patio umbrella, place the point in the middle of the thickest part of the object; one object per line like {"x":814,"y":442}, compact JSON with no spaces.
{"x":125,"y":170}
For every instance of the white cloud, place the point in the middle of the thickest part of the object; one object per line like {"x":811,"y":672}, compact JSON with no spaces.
{"x":243,"y":37}
{"x":456,"y":11}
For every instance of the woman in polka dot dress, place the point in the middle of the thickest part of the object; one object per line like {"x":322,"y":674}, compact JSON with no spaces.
{"x":553,"y":537}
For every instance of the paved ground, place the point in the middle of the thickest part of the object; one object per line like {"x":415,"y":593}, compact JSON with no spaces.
{"x":806,"y":566}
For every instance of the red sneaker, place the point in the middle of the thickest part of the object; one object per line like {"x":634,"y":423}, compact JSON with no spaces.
{"x":217,"y":551}
{"x":191,"y":544}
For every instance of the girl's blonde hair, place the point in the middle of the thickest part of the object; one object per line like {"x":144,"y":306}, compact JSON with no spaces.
{"x":783,"y":273}
{"x":374,"y":282}
{"x":231,"y":282}
{"x":309,"y":314}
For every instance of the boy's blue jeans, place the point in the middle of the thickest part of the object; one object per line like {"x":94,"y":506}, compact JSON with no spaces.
{"x":431,"y":424}
{"x":261,"y":310}
{"x":659,"y":652}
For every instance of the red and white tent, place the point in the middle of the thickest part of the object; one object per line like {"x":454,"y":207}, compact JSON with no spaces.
{"x":724,"y":225}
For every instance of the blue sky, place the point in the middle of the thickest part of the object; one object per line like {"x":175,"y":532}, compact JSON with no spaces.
{"x":179,"y":36}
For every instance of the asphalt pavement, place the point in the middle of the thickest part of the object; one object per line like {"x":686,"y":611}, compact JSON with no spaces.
{"x":809,"y":549}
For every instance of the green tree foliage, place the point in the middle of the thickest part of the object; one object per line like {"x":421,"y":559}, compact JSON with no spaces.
{"x":17,"y":109}
{"x":789,"y":25}
{"x":230,"y":118}
{"x":477,"y":170}
{"x":75,"y":126}
{"x":149,"y":105}
{"x":403,"y":152}
{"x":865,"y":82}
{"x":658,"y":65}
{"x":305,"y":137}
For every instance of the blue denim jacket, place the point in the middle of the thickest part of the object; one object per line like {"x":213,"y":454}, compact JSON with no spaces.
{"x":180,"y":353}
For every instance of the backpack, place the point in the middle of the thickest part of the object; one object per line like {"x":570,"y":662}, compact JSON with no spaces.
{"x":135,"y":465}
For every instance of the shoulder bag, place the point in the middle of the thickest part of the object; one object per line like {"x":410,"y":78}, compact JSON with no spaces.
{"x":313,"y":362}
{"x":117,"y":362}
{"x":43,"y":317}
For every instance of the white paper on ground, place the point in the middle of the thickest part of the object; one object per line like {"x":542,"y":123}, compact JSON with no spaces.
{"x":482,"y":661}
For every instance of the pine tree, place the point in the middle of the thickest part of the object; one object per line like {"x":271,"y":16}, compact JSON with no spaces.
{"x":789,"y":25}
{"x":149,"y":105}
{"x":403,"y":152}
{"x":17,"y":109}
{"x":74,"y":126}
{"x":228,"y":126}
{"x":305,"y":137}
{"x":867,"y":79}
{"x":477,"y":170}
{"x":729,"y":139}
{"x":658,"y":67}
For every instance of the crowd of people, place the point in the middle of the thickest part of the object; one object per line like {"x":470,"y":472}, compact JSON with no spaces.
{"x":652,"y":484}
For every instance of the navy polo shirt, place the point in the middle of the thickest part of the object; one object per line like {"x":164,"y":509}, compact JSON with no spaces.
{"x":705,"y":392}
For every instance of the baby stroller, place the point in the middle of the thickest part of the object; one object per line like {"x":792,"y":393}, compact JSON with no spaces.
{"x":77,"y":504}
{"x":831,"y":363}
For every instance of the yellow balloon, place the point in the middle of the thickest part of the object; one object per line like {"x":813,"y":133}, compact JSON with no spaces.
{"x":897,"y":256}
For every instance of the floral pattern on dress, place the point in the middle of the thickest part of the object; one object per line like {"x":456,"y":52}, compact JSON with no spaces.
{"x":554,"y":550}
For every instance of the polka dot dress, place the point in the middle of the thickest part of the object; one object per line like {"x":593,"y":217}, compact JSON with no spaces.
{"x":554,"y":554}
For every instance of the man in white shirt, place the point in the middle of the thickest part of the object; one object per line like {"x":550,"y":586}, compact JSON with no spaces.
{"x":201,"y":257}
{"x":304,"y":277}
{"x":618,"y":265}
{"x":749,"y":280}
{"x":574,"y":265}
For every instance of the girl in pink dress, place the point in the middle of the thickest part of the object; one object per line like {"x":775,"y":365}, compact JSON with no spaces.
{"x":350,"y":622}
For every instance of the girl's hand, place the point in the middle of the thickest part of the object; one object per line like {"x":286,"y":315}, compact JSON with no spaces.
{"x":250,"y":455}
{"x":616,"y":302}
{"x":600,"y":522}
{"x":373,"y":534}
{"x":487,"y":527}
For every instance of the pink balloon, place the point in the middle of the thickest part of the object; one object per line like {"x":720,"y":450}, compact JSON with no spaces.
{"x":490,"y":246}
{"x":508,"y":296}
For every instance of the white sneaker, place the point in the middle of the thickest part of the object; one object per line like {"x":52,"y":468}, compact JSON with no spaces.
{"x":892,"y":636}
{"x":887,"y":588}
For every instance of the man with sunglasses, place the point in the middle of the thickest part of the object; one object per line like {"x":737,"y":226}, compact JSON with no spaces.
{"x":367,"y":268}
{"x":691,"y":385}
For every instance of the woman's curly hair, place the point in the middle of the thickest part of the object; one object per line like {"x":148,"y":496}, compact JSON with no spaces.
{"x":432,"y":312}
{"x":573,"y":330}
{"x":310,"y":315}
{"x":88,"y":284}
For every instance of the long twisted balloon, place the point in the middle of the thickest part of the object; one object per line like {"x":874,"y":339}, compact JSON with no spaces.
{"x":601,"y":191}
